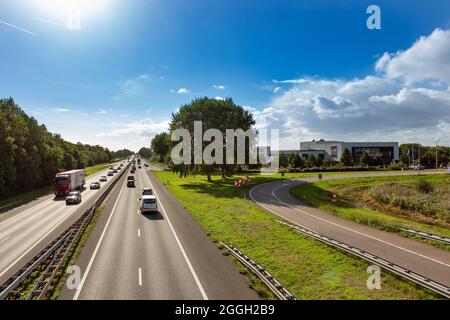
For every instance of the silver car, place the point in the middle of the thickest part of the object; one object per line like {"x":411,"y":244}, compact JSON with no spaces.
{"x":73,"y":197}
{"x":149,"y":204}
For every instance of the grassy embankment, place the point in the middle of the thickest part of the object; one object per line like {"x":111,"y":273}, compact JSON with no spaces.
{"x":308,"y":268}
{"x":386,"y":203}
{"x":23,"y":198}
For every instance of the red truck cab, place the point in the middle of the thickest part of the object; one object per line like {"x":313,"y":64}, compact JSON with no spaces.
{"x":65,"y":182}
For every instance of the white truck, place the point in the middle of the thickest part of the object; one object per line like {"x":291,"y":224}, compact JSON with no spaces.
{"x":65,"y":182}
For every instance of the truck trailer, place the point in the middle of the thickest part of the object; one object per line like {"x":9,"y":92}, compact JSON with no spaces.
{"x":65,"y":182}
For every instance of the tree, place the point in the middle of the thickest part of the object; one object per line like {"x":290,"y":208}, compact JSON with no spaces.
{"x":319,"y":162}
{"x":214,"y":114}
{"x":310,"y":161}
{"x":124,"y":153}
{"x":366,"y":159}
{"x":145,"y":152}
{"x":346,"y":158}
{"x":296,"y":161}
{"x":283,"y":160}
{"x":160,"y":145}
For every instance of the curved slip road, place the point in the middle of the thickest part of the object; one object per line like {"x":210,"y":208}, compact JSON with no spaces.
{"x":416,"y":256}
{"x":153,"y":256}
{"x":28,"y":228}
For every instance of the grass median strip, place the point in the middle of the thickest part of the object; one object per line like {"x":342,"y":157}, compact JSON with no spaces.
{"x":308,"y":268}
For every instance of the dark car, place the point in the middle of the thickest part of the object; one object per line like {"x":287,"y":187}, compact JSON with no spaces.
{"x":139,"y":167}
{"x":73,"y":197}
{"x":131,"y":184}
{"x":115,"y":170}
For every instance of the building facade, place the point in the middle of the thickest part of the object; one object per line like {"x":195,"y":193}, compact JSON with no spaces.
{"x":332,"y":150}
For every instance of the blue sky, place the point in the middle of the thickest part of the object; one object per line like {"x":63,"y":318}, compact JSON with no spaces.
{"x":116,"y":80}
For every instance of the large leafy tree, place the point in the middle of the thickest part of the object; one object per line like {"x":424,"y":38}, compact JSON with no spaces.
{"x":214,"y":114}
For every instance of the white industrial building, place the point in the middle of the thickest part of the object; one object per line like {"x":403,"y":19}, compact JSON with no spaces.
{"x":332,"y":150}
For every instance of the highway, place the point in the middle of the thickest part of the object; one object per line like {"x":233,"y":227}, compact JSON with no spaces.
{"x":166,"y":255}
{"x":27,"y":229}
{"x":416,"y":256}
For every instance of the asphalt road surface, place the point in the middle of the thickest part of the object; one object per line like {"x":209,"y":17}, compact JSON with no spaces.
{"x":130,"y":255}
{"x":27,"y":229}
{"x":414,"y":255}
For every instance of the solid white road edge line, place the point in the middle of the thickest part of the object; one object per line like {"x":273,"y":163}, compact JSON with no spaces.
{"x":91,"y":261}
{"x":194,"y":274}
{"x":140,"y":277}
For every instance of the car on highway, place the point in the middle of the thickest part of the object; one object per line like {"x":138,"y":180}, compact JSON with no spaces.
{"x":103,"y":179}
{"x":131,"y":182}
{"x":114,"y":170}
{"x":73,"y":197}
{"x":147,"y":192}
{"x":139,"y":167}
{"x":110,"y":173}
{"x":149,"y":204}
{"x":145,"y":165}
{"x":94,"y":185}
{"x":132,"y":171}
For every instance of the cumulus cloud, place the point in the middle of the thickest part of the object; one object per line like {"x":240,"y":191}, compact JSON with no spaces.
{"x":406,"y":98}
{"x":219,"y":87}
{"x":427,"y":59}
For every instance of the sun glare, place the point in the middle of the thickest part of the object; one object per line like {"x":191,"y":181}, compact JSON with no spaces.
{"x":58,"y":9}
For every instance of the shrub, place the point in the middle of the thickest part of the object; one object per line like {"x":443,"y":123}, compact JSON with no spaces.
{"x":424,"y":186}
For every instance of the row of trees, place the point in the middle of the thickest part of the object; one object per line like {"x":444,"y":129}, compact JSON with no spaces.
{"x":145,"y":152}
{"x":30,"y":155}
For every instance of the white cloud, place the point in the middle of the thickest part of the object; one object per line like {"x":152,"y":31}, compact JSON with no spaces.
{"x":62,"y":109}
{"x":146,"y":127}
{"x":183,"y":91}
{"x":219,"y":87}
{"x":427,"y":59}
{"x":277,"y":89}
{"x":101,"y":111}
{"x":132,"y":87}
{"x":407,"y":98}
{"x":219,"y":98}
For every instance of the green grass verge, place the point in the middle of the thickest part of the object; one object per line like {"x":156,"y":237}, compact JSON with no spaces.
{"x":352,"y":204}
{"x":307,"y":267}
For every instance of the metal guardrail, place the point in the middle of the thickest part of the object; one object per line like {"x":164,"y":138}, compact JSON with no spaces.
{"x":405,"y":273}
{"x":276,"y":287}
{"x":427,"y":235}
{"x":55,"y":254}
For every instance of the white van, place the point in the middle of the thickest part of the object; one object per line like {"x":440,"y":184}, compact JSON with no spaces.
{"x":149,"y":204}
